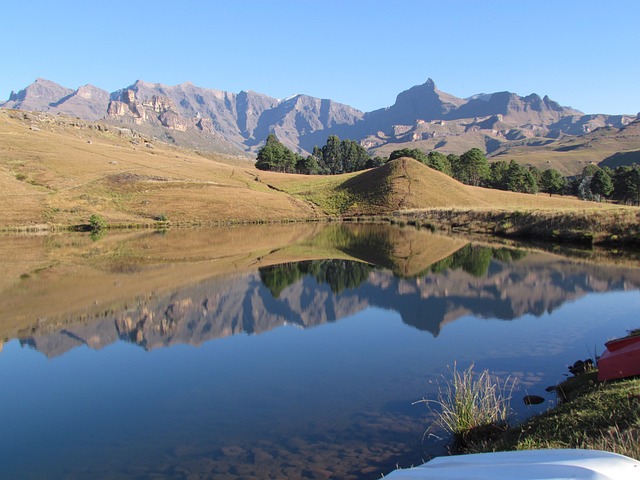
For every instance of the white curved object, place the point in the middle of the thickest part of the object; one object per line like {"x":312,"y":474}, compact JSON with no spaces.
{"x":557,"y":464}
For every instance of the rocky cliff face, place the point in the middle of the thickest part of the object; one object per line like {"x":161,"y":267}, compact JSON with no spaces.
{"x":421,"y":117}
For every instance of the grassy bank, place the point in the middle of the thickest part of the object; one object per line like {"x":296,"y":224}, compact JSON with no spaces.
{"x":590,"y":414}
{"x":602,"y":416}
{"x":604,"y":226}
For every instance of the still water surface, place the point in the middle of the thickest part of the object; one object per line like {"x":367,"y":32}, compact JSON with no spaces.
{"x":273,"y":352}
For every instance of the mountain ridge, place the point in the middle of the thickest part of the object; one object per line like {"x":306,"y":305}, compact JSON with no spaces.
{"x":215,"y":120}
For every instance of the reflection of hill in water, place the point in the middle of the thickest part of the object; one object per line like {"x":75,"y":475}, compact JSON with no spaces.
{"x":471,"y":281}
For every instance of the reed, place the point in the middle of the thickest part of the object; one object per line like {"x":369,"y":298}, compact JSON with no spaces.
{"x":471,"y":406}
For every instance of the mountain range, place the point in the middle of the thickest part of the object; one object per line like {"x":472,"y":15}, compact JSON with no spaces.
{"x":421,"y":117}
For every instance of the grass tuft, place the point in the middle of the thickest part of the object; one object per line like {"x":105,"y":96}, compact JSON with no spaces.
{"x":471,"y":406}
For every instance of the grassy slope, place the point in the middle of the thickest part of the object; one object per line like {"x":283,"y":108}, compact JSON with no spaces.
{"x":602,"y":416}
{"x":61,"y":174}
{"x":59,"y":171}
{"x":406,"y":184}
{"x":570,"y":155}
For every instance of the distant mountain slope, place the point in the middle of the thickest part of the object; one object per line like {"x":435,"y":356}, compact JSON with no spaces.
{"x":87,"y":102}
{"x":39,"y":96}
{"x":611,"y":145}
{"x":422,"y":117}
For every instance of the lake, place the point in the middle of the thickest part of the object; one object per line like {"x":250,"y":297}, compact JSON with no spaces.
{"x":288,"y":351}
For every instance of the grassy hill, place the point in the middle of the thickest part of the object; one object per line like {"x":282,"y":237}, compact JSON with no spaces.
{"x":56,"y":172}
{"x":406,"y":184}
{"x":59,"y":171}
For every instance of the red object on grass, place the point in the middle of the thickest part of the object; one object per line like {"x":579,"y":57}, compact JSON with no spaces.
{"x":621,"y":359}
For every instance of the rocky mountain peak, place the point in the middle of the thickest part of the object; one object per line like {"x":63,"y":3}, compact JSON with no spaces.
{"x":38,"y":96}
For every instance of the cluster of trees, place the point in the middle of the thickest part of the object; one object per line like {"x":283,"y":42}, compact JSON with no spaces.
{"x":336,"y":156}
{"x":621,"y":184}
{"x":472,"y":168}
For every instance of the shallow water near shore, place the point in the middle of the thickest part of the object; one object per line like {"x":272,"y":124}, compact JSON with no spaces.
{"x":272,"y":352}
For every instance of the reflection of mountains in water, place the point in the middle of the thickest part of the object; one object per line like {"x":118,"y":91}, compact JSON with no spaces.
{"x":475,"y":280}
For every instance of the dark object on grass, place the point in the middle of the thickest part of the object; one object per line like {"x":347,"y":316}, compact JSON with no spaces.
{"x":581,"y":367}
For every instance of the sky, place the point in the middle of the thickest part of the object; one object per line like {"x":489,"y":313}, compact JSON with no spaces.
{"x":581,"y":53}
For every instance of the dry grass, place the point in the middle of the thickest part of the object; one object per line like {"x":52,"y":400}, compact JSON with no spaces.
{"x":604,"y":224}
{"x":469,"y":405}
{"x":58,"y":173}
{"x":406,"y":184}
{"x":603,"y":416}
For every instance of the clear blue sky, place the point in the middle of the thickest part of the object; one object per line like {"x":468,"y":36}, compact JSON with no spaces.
{"x":582,"y":53}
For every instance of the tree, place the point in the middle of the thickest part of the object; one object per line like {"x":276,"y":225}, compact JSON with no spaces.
{"x":409,"y":152}
{"x":473,"y":167}
{"x":499,"y":174}
{"x":439,"y":161}
{"x":375,"y":162}
{"x":276,"y":156}
{"x":551,"y":181}
{"x":601,"y":184}
{"x":341,"y":156}
{"x":581,"y":185}
{"x":308,"y":166}
{"x":331,"y":155}
{"x":626,"y":184}
{"x":520,"y":179}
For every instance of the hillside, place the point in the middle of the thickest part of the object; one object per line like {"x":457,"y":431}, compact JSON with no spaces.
{"x":607,"y":145}
{"x":59,"y":171}
{"x":406,"y":184}
{"x":56,"y":171}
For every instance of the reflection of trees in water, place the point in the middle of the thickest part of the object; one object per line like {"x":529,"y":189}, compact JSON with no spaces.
{"x":475,"y":259}
{"x":338,"y":274}
{"x":346,"y":274}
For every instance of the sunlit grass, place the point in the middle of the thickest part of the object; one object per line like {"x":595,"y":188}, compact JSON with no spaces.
{"x":470,"y":405}
{"x":602,"y":416}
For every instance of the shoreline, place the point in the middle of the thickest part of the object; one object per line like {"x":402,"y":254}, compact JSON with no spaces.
{"x":589,"y":414}
{"x":614,"y":227}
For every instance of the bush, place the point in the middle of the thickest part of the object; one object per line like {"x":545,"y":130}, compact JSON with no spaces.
{"x":97,"y":223}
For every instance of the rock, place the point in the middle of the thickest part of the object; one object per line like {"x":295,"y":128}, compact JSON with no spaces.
{"x":581,"y":366}
{"x":551,"y":388}
{"x":117,"y":108}
{"x":532,"y":400}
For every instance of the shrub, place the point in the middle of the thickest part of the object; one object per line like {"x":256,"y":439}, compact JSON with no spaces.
{"x":97,"y":223}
